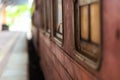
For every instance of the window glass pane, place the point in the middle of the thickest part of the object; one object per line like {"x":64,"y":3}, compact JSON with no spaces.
{"x":58,"y":27}
{"x":84,"y":22}
{"x":95,"y":22}
{"x":55,"y":12}
{"x":48,"y":16}
{"x":44,"y":15}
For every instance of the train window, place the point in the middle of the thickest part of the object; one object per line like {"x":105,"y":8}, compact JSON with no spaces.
{"x":46,"y":7}
{"x":57,"y":19}
{"x":43,"y":14}
{"x":48,"y":16}
{"x":88,"y":29}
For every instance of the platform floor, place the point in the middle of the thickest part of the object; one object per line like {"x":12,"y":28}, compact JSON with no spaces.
{"x":18,"y":58}
{"x":13,"y":56}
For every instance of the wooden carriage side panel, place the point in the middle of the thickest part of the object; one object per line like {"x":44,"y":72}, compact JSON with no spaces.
{"x":43,"y":61}
{"x":75,"y":70}
{"x":57,"y":58}
{"x":68,"y":20}
{"x":61,"y":63}
{"x":69,"y":45}
{"x":82,"y":74}
{"x":49,"y":62}
{"x":110,"y":69}
{"x":57,"y":65}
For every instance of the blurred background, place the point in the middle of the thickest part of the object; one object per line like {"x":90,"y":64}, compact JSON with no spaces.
{"x":16,"y":15}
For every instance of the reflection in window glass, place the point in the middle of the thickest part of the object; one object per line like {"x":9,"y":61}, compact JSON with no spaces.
{"x":48,"y":15}
{"x":95,"y":23}
{"x":84,"y":22}
{"x":58,"y":26}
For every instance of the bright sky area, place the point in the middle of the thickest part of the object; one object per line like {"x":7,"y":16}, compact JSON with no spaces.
{"x":21,"y":22}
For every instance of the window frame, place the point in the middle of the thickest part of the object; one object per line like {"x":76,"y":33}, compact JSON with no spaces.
{"x":80,"y":54}
{"x":59,"y":39}
{"x":48,"y":16}
{"x":43,"y":15}
{"x":46,"y":28}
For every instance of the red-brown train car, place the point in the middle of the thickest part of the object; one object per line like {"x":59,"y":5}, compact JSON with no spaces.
{"x":78,"y":39}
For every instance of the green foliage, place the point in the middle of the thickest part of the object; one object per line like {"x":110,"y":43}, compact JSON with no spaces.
{"x":32,"y":8}
{"x":14,"y":11}
{"x":17,"y":10}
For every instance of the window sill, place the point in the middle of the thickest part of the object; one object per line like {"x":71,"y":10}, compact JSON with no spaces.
{"x":57,"y":41}
{"x":79,"y":57}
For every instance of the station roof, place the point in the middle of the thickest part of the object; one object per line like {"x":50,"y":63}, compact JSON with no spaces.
{"x":13,"y":2}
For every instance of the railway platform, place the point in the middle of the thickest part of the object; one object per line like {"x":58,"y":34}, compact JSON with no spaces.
{"x":14,"y":57}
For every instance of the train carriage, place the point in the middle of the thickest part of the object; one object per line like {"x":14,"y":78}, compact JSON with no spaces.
{"x":78,"y":39}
